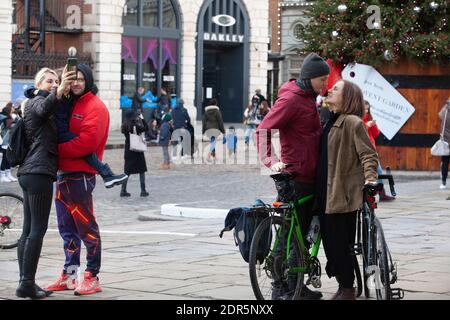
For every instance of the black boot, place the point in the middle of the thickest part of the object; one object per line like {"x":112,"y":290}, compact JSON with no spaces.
{"x":123,"y":191}
{"x":109,"y":178}
{"x":27,"y":287}
{"x":144,"y":193}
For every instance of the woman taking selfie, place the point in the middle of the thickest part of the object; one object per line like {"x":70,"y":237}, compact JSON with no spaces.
{"x":37,"y":174}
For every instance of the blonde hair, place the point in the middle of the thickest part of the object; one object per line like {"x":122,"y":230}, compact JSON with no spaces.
{"x":40,"y":75}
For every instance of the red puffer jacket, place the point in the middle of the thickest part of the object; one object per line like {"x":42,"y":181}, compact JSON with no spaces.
{"x":296,"y":117}
{"x":90,"y":122}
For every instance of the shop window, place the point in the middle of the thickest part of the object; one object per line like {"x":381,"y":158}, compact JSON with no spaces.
{"x":130,"y":12}
{"x":129,"y":70}
{"x":169,"y":18}
{"x":150,"y":13}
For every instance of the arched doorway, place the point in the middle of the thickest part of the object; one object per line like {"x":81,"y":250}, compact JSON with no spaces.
{"x":222,"y":66}
{"x":150,"y":51}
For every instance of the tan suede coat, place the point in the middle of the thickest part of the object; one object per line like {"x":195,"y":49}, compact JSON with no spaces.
{"x":352,"y":159}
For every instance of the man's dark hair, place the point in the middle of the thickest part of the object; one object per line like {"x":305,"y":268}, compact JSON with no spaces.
{"x":212,"y":102}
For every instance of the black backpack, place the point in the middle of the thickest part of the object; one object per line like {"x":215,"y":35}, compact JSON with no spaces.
{"x":17,"y":148}
{"x":245,"y":221}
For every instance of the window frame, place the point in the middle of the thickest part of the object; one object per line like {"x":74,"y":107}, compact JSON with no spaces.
{"x":160,"y":33}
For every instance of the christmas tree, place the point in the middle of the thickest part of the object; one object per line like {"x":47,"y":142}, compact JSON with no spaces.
{"x":374,"y":32}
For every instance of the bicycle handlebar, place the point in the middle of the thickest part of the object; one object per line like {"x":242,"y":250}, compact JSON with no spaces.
{"x":371,"y":189}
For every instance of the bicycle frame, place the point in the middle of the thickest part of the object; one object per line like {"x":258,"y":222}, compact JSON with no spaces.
{"x":295,"y":227}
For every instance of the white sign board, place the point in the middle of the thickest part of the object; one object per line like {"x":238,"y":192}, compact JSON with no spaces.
{"x":388,"y":107}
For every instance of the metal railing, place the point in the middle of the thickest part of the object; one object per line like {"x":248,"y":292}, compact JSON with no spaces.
{"x":26,"y":64}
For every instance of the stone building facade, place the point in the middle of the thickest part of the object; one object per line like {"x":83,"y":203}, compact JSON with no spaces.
{"x":104,"y":31}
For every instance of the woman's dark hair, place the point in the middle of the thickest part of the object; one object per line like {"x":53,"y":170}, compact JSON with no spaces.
{"x":369,"y":115}
{"x":129,"y":121}
{"x":7,"y":110}
{"x":352,"y":99}
{"x":212,"y":102}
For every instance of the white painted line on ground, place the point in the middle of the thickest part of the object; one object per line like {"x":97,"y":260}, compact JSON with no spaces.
{"x":142,"y":232}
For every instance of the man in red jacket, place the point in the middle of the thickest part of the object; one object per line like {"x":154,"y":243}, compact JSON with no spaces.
{"x":89,"y":121}
{"x":296,"y":117}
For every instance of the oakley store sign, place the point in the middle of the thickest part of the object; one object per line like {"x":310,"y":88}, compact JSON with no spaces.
{"x":223,"y":37}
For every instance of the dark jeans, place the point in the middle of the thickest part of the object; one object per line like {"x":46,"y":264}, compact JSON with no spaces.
{"x":338,"y":234}
{"x":444,"y":168}
{"x":5,"y":163}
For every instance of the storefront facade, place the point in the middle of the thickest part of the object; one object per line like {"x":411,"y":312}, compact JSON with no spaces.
{"x":196,"y":50}
{"x":191,"y":49}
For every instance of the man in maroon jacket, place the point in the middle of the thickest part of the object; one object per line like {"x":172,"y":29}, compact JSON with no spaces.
{"x":296,"y":117}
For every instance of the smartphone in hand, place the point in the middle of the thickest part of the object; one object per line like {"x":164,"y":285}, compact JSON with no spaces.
{"x":72,"y":65}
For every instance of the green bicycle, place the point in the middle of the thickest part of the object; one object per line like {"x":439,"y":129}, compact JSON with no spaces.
{"x":286,"y":253}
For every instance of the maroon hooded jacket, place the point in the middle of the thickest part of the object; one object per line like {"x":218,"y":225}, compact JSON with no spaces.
{"x":296,"y":117}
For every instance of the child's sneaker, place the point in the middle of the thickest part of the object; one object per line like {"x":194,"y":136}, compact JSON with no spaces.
{"x":109,"y":178}
{"x":64,"y":282}
{"x":114,"y":180}
{"x":89,"y":285}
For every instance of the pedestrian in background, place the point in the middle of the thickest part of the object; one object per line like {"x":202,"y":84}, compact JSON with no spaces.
{"x":252,"y":120}
{"x":7,"y":120}
{"x":164,"y":139}
{"x":231,"y":140}
{"x":445,"y":127}
{"x":134,"y":161}
{"x":138,"y":100}
{"x":212,"y":123}
{"x":181,"y":120}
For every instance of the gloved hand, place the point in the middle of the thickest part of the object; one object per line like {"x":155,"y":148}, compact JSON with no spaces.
{"x":278,"y":167}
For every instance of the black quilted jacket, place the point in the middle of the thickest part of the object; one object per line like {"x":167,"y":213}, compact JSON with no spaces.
{"x":41,"y":136}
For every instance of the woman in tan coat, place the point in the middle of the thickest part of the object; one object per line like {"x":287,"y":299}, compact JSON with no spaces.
{"x":347,"y":161}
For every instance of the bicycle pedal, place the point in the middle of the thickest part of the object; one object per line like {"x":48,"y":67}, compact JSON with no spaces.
{"x":397,"y":294}
{"x":316,"y":282}
{"x":356,"y":250}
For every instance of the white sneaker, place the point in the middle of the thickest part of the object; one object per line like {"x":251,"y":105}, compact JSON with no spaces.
{"x":443,"y":186}
{"x":10,"y":176}
{"x":3,"y":177}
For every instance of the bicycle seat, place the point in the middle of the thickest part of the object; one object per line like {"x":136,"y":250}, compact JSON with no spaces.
{"x":283,"y":176}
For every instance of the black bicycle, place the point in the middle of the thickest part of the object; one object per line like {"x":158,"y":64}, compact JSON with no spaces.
{"x":379,"y":270}
{"x":11,"y":220}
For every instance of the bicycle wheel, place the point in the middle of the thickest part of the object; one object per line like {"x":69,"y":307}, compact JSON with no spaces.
{"x":382,"y":281}
{"x":267,"y":266}
{"x":11,"y":217}
{"x":365,"y":249}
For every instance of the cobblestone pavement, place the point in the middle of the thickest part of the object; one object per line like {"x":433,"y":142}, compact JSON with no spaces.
{"x":180,"y":258}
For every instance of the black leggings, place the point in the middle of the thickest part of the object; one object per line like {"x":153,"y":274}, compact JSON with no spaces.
{"x":5,"y":163}
{"x":444,"y":168}
{"x":37,"y":202}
